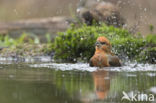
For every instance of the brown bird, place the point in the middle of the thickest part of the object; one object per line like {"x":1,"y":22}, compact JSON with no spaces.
{"x":103,"y":57}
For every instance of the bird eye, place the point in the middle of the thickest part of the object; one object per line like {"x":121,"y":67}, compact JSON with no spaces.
{"x":103,"y":43}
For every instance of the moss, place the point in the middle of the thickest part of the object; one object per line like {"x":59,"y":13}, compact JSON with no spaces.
{"x":151,"y":28}
{"x":148,"y":55}
{"x":23,"y":50}
{"x":151,"y":39}
{"x":25,"y":45}
{"x":78,"y":43}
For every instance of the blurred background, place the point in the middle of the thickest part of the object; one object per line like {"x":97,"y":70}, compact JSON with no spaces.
{"x":11,"y":10}
{"x":139,"y":14}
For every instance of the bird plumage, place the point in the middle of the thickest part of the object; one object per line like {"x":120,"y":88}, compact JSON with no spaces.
{"x":103,"y":57}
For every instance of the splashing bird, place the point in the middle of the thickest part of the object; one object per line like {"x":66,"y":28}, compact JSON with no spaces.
{"x":103,"y":57}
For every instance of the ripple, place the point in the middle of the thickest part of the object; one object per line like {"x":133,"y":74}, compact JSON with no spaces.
{"x":153,"y":90}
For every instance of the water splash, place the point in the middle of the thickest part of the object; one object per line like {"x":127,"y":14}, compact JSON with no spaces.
{"x":66,"y":66}
{"x":130,"y":67}
{"x":11,"y":60}
{"x":44,"y":61}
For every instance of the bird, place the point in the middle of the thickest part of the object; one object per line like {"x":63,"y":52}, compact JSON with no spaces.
{"x":103,"y":57}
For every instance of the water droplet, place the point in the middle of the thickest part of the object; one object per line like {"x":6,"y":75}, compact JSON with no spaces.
{"x":15,"y":11}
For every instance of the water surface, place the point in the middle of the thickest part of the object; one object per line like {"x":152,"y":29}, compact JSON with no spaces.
{"x":73,"y":83}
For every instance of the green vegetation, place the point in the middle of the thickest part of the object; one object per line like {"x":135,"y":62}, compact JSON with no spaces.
{"x":78,"y":43}
{"x":151,"y":27}
{"x":6,"y":40}
{"x":25,"y":45}
{"x":149,"y":52}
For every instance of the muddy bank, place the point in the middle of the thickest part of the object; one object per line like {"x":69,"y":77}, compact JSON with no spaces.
{"x":39,"y":27}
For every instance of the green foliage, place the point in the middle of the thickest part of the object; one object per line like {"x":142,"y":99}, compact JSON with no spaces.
{"x":48,"y":37}
{"x":75,"y":43}
{"x":130,"y":47}
{"x":7,"y":41}
{"x":78,"y":43}
{"x":151,"y":38}
{"x":151,"y":27}
{"x":148,"y":54}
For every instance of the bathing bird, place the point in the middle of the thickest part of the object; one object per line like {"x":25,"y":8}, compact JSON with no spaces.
{"x":103,"y":57}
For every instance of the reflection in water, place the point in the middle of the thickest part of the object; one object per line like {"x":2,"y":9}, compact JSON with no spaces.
{"x":20,"y":83}
{"x":101,"y":83}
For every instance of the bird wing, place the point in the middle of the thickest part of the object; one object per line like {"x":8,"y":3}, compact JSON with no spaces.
{"x":113,"y":61}
{"x":91,"y":63}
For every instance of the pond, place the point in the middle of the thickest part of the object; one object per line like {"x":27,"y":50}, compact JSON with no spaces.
{"x":75,"y":83}
{"x":41,"y":80}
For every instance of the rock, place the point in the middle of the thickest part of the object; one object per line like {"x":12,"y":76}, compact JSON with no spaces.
{"x":101,"y":12}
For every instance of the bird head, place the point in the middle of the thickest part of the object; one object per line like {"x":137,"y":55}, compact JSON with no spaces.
{"x":103,"y":44}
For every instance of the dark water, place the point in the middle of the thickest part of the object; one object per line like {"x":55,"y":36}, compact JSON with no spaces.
{"x":22,"y":83}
